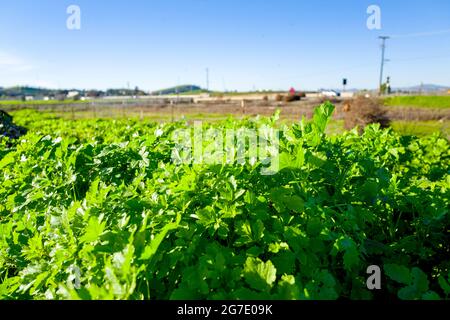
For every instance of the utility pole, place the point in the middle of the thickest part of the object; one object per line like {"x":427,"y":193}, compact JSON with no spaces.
{"x":383,"y":60}
{"x":388,"y":85}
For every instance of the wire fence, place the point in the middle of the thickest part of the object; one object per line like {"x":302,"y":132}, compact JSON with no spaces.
{"x":169,"y":109}
{"x":173,"y":110}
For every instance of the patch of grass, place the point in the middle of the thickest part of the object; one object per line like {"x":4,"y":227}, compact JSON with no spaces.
{"x":421,"y":128}
{"x":113,"y":113}
{"x":435,"y":102}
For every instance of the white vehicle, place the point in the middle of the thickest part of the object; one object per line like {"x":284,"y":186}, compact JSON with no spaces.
{"x":330,"y":93}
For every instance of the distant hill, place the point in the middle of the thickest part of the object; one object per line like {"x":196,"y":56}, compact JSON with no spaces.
{"x":183,"y":89}
{"x":15,"y":92}
{"x":20,"y":92}
{"x":423,"y":88}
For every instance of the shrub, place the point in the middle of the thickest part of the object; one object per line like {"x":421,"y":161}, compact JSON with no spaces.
{"x":291,"y":98}
{"x":363,"y":111}
{"x":279,"y":98}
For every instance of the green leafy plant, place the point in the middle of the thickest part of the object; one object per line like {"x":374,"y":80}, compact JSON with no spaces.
{"x":96,"y":209}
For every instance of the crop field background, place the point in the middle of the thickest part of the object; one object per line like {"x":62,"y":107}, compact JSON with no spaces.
{"x":436,"y":102}
{"x":410,"y":115}
{"x":96,"y":209}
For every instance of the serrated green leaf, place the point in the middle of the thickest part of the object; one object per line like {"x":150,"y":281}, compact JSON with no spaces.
{"x":259,"y":275}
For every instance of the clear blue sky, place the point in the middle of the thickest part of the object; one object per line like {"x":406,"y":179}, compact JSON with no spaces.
{"x":246,"y":44}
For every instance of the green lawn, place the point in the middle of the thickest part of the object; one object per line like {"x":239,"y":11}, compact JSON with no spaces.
{"x":435,"y":102}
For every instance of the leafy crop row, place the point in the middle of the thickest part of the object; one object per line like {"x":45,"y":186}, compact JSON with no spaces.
{"x":96,"y":210}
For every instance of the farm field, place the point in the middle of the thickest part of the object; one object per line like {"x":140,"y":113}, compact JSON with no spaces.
{"x":405,"y":120}
{"x":421,"y":128}
{"x":98,"y":209}
{"x":436,"y":102}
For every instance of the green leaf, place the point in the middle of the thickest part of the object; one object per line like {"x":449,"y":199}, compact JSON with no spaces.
{"x":420,"y":279}
{"x":249,"y":232}
{"x":184,"y":292}
{"x":247,"y":294}
{"x":259,"y":275}
{"x":151,"y":249}
{"x":294,"y":203}
{"x":300,"y":156}
{"x":316,"y":160}
{"x":444,"y":285}
{"x":314,"y":227}
{"x":431,"y":295}
{"x":351,"y":254}
{"x":398,"y":273}
{"x":287,"y":288}
{"x":322,"y":115}
{"x":94,"y":230}
{"x":283,"y":199}
{"x":284,"y":159}
{"x":206,"y":216}
{"x":351,"y":258}
{"x":408,"y":293}
{"x":284,"y":262}
{"x":7,"y":160}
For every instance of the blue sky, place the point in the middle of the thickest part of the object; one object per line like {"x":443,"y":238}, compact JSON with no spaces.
{"x":245,"y":44}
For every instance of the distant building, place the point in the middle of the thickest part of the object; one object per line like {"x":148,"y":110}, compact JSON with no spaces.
{"x":29,"y":98}
{"x":72,"y":94}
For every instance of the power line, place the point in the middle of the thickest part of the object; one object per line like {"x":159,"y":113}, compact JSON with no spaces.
{"x":447,"y":56}
{"x":326,"y":72}
{"x":421,"y":34}
{"x":411,"y":35}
